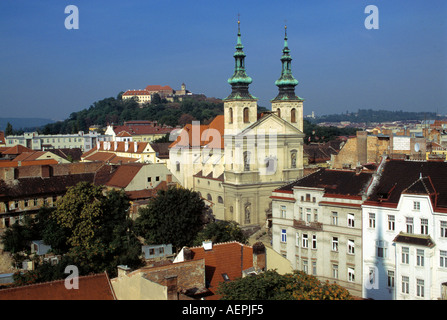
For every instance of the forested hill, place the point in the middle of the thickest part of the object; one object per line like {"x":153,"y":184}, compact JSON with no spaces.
{"x":369,"y":115}
{"x":116,"y":111}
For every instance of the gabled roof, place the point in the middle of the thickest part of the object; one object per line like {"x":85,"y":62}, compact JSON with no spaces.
{"x":266,"y":117}
{"x":124,"y":174}
{"x":92,"y":287}
{"x":17,"y":149}
{"x":120,"y":147}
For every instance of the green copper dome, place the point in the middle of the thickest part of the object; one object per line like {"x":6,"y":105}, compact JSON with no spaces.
{"x":286,"y":83}
{"x":240,"y":80}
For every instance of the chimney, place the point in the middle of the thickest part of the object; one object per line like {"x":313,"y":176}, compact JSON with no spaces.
{"x":207,"y":245}
{"x":187,"y":254}
{"x":123,"y":271}
{"x":169,"y":178}
{"x":171,"y":284}
{"x":259,"y":257}
{"x":126,"y":146}
{"x":115,"y":145}
{"x":362,"y":146}
{"x":135,"y":146}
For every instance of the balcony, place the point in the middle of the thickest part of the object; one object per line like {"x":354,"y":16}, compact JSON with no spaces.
{"x":301,"y":224}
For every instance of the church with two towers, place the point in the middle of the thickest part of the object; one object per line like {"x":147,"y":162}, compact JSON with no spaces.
{"x":236,"y":161}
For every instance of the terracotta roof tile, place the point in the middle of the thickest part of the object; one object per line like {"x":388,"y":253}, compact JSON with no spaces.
{"x":124,"y":175}
{"x":230,"y":258}
{"x":201,"y":135}
{"x":93,"y":287}
{"x":18,"y":149}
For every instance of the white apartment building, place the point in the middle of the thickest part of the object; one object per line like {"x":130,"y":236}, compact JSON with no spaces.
{"x":317,"y":225}
{"x":405,"y":232}
{"x":36,"y":141}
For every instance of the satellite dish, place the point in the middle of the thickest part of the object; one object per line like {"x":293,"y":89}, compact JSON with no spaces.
{"x":416,"y":147}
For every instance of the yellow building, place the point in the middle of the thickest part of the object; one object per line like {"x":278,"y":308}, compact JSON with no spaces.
{"x":239,"y":158}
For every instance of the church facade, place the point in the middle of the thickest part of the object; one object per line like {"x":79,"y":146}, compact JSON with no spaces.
{"x":237,"y":160}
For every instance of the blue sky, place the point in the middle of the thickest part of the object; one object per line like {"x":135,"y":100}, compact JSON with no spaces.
{"x":48,"y":71}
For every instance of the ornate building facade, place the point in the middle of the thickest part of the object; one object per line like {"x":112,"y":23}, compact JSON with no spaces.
{"x":241,"y":157}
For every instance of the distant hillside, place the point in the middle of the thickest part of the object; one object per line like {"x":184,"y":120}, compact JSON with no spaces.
{"x":24,"y":123}
{"x":116,"y":111}
{"x":369,"y":115}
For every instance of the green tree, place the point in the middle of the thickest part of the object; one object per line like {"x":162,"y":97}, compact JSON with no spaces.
{"x":19,"y":235}
{"x":100,"y":233}
{"x":221,"y":231}
{"x":9,"y":130}
{"x":270,"y":285}
{"x":80,"y":211}
{"x":174,"y":216}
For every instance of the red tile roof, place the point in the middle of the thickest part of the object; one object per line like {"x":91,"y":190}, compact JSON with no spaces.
{"x":93,"y":287}
{"x":153,"y":88}
{"x":136,"y":93}
{"x":201,"y":135}
{"x":17,"y":149}
{"x":133,"y":130}
{"x":124,"y":175}
{"x":15,"y":164}
{"x":229,"y":257}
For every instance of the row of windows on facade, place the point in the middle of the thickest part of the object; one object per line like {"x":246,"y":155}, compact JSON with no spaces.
{"x":270,"y":162}
{"x":308,"y":217}
{"x":381,"y":248}
{"x":304,"y":242}
{"x":409,"y":225}
{"x":405,"y":284}
{"x":372,"y":221}
{"x":31,"y":202}
{"x":390,"y":273}
{"x":335,"y":270}
{"x":246,"y":115}
{"x":210,"y":198}
{"x":47,"y":140}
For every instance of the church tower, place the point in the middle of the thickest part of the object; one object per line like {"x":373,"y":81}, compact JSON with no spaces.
{"x":287,"y":104}
{"x":240,"y":107}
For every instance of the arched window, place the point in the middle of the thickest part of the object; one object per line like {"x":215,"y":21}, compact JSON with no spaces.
{"x":219,"y":199}
{"x":230,"y":112}
{"x":293,"y":155}
{"x":293,"y":116}
{"x":247,"y":214}
{"x":247,"y":161}
{"x":246,"y":115}
{"x":270,"y":164}
{"x":208,"y":196}
{"x":177,"y":166}
{"x":278,"y":111}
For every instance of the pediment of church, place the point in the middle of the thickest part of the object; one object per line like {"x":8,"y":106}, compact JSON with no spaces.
{"x":271,"y":124}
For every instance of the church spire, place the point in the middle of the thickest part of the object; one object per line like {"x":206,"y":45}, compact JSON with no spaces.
{"x":240,"y":80}
{"x":286,"y":83}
